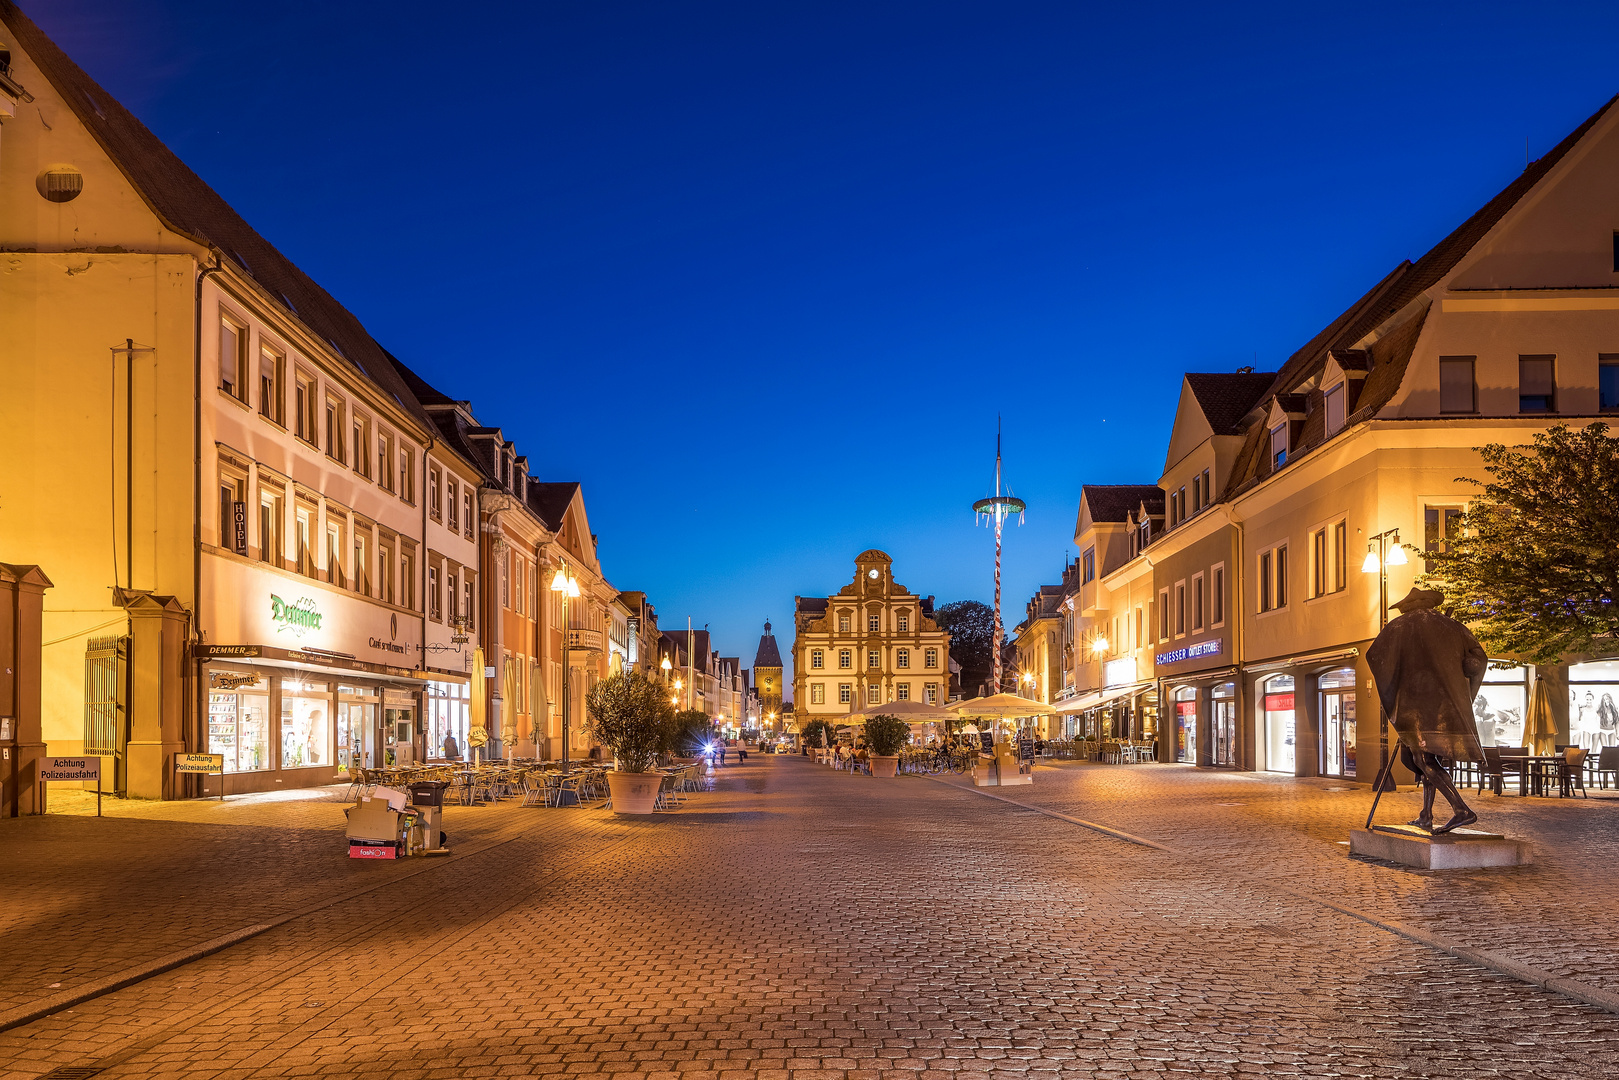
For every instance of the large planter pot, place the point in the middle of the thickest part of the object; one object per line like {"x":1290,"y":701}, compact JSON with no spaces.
{"x":634,"y":793}
{"x":884,"y":765}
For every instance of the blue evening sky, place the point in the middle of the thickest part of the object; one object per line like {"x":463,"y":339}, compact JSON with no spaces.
{"x":762,"y":275}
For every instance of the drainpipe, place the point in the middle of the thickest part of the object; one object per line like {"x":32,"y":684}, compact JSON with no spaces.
{"x":199,"y":701}
{"x":1238,"y":615}
{"x":422,"y":698}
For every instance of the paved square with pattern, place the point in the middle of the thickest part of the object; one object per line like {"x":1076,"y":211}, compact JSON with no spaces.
{"x":802,"y":924}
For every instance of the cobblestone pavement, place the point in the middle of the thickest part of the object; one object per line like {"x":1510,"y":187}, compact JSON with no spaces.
{"x":801,"y":924}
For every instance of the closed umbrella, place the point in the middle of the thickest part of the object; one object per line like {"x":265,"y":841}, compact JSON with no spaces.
{"x":478,"y":734}
{"x":1539,"y":728}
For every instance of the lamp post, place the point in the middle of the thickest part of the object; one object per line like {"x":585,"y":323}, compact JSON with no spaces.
{"x":1098,"y":650}
{"x":567,"y":586}
{"x":1383,"y":551}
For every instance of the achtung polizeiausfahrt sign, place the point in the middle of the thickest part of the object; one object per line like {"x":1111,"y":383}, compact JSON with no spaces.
{"x":69,"y":768}
{"x":199,"y":763}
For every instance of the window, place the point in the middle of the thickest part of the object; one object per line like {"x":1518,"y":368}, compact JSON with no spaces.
{"x":1088,"y":566}
{"x":843,"y":624}
{"x":1329,"y":559}
{"x":1180,"y":608}
{"x":874,"y":624}
{"x":233,"y":359}
{"x":1333,"y":401}
{"x":362,"y":565}
{"x":902,"y":658}
{"x":1197,"y":601}
{"x":471,"y":523}
{"x":1458,"y":393}
{"x":902,"y":692}
{"x":1197,"y":493}
{"x":874,"y":694}
{"x":304,"y":424}
{"x":506,"y":581}
{"x":1318,"y":563}
{"x":469,"y":610}
{"x":305,"y":540}
{"x":817,"y":659}
{"x":435,"y":506}
{"x":1208,"y":492}
{"x":334,"y":429}
{"x":362,"y":442}
{"x":1217,"y":596}
{"x":1608,"y":382}
{"x":334,"y":549}
{"x":845,"y":692}
{"x":845,"y":658}
{"x":930,"y":658}
{"x":873,"y":658}
{"x":1139,"y":630}
{"x":271,"y":372}
{"x":451,"y":496}
{"x":407,"y":579}
{"x":435,"y":603}
{"x":1340,"y":556}
{"x":272,"y":545}
{"x":385,"y":475}
{"x":1273,"y":578}
{"x":1537,"y":384}
{"x":233,"y":514}
{"x":930,"y":693}
{"x":1144,"y":534}
{"x":1440,"y":525}
{"x":385,"y":571}
{"x":1278,"y":446}
{"x":817,"y":693}
{"x":407,"y":473}
{"x":1163,"y":614}
{"x":452,"y":590}
{"x":904,"y":622}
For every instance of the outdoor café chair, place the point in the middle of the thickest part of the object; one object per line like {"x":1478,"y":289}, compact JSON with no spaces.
{"x":1607,"y":764}
{"x":1572,"y":774}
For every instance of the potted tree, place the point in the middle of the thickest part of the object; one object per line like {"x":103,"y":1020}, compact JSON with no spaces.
{"x":817,"y":736}
{"x":630,"y":714}
{"x":886,"y":736}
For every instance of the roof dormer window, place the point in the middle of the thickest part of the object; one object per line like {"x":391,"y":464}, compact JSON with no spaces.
{"x":1278,"y":446}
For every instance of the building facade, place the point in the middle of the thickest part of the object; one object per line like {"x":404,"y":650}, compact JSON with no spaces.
{"x":871,"y":643}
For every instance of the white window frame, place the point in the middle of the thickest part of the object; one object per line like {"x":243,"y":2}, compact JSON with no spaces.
{"x":817,"y":659}
{"x":817,"y":693}
{"x":1199,"y":615}
{"x":1217,"y":599}
{"x":902,"y":658}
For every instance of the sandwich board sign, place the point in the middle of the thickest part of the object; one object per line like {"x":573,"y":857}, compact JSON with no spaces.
{"x":71,"y":769}
{"x":203,"y":764}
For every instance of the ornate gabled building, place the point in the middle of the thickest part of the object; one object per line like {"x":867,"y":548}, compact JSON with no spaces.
{"x":871,"y":643}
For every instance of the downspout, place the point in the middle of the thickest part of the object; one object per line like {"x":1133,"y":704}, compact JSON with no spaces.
{"x":199,"y":702}
{"x":422,"y":699}
{"x":1239,"y":621}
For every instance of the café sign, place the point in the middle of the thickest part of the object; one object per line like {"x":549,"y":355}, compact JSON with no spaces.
{"x":1191,"y":652}
{"x":297,"y":618}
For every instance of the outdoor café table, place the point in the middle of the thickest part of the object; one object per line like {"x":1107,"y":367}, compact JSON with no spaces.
{"x":465,"y":777}
{"x":1539,"y":769}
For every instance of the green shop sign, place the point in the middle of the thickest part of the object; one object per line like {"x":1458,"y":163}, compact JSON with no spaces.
{"x":296,"y":617}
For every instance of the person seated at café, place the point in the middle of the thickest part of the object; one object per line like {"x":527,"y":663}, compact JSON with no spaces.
{"x":451,"y":750}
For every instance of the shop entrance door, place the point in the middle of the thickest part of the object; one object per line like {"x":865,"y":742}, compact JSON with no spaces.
{"x":1186,"y":724}
{"x":1279,"y":720}
{"x":1338,"y":722}
{"x":399,"y":733}
{"x":1223,"y":727}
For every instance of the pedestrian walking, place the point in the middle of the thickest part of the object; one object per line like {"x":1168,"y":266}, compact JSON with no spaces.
{"x":741,"y":753}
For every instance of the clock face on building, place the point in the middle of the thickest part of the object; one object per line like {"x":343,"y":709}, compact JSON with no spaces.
{"x":872,"y":573}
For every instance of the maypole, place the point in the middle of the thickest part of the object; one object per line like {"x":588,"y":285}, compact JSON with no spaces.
{"x":998,"y":507}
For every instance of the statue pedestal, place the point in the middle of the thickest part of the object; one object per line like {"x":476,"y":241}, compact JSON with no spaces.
{"x":1463,"y":849}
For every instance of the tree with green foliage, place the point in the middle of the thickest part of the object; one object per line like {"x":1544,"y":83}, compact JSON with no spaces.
{"x":971,"y":626}
{"x":630,"y":714}
{"x":691,"y":733}
{"x":1534,"y":570}
{"x":817,"y":734}
{"x":887,"y":735}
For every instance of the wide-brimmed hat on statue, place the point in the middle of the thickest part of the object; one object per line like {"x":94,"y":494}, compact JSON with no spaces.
{"x":1420,"y":600}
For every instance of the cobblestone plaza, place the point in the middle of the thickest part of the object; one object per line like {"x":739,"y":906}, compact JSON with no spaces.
{"x":809,"y":924}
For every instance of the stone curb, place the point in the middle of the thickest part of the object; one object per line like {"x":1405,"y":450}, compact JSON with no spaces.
{"x":1118,"y":834}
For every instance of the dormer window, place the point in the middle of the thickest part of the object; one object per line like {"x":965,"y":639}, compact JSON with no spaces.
{"x":1333,"y":403}
{"x":1278,"y":446}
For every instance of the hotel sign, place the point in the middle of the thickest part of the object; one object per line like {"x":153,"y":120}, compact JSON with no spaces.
{"x":297,"y":618}
{"x":1211,"y":647}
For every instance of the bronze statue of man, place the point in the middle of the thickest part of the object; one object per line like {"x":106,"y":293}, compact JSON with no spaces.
{"x":1429,"y":668}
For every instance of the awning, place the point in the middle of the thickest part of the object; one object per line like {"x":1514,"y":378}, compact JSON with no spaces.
{"x":1305,"y":658}
{"x":1101,"y":697}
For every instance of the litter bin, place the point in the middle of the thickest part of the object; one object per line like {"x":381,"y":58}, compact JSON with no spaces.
{"x":427,"y":796}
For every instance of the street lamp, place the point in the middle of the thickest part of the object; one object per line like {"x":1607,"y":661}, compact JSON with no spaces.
{"x":567,"y":586}
{"x":1099,"y":650}
{"x":1383,"y":551}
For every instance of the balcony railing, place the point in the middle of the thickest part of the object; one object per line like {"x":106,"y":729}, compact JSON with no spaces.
{"x":589,"y":640}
